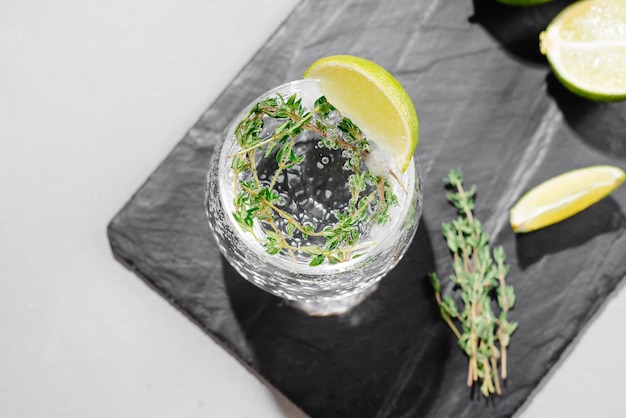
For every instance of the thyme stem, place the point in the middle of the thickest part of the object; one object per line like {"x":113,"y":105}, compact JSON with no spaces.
{"x":284,"y":214}
{"x":271,"y":139}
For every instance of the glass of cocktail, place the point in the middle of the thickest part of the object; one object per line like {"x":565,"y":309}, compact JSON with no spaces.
{"x":305,"y":206}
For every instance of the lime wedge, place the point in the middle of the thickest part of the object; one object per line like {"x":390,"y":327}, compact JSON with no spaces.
{"x":563,"y":196}
{"x":586,"y":47}
{"x":373,"y":99}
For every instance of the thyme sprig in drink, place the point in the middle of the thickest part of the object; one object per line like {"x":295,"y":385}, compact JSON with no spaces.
{"x":285,"y":149}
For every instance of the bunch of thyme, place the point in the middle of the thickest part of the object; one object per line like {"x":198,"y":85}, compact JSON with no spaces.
{"x":258,"y":200}
{"x":477,"y":274}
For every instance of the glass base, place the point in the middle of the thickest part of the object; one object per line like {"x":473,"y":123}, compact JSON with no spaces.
{"x":334,"y":306}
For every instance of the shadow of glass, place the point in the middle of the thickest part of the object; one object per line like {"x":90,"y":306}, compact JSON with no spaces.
{"x":517,"y":28}
{"x":601,"y":125}
{"x":600,"y":218}
{"x":383,"y":357}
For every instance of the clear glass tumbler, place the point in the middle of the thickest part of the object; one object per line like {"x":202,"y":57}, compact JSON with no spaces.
{"x":324,"y":289}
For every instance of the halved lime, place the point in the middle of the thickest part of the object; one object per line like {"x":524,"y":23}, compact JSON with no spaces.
{"x":586,"y":47}
{"x":373,"y":98}
{"x":563,"y":196}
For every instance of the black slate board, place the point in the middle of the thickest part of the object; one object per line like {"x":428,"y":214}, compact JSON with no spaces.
{"x":488,"y":104}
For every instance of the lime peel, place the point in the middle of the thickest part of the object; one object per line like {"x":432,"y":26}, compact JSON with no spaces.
{"x":563,"y":196}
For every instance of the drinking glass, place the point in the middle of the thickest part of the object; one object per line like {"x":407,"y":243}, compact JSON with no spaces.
{"x":324,"y":289}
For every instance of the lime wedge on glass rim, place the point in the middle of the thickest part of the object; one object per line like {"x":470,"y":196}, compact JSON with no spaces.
{"x":373,"y":99}
{"x":586,"y":47}
{"x":563,"y":196}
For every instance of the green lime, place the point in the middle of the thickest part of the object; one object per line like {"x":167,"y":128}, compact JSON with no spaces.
{"x":586,"y":47}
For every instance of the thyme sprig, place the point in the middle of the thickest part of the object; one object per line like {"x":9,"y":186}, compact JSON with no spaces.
{"x":257,"y":201}
{"x":478,"y":275}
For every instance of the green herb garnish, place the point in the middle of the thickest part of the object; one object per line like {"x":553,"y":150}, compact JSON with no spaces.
{"x":478,"y":276}
{"x":257,"y":200}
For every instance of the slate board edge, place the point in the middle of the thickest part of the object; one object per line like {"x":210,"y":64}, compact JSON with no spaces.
{"x":115,"y":239}
{"x":570,"y":345}
{"x":115,"y":236}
